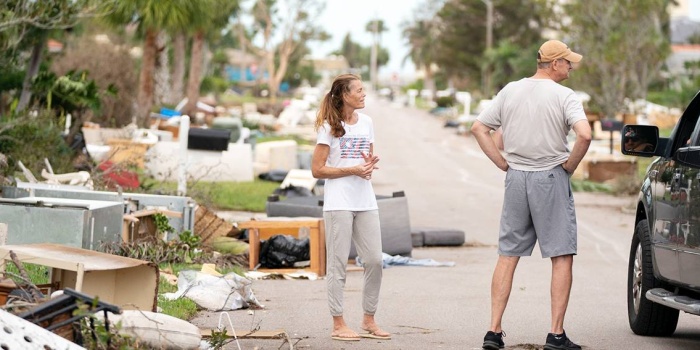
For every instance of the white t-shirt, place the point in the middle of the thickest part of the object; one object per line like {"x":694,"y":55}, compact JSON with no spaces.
{"x":536,"y":115}
{"x":348,"y":192}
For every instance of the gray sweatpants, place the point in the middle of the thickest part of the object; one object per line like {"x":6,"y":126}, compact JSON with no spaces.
{"x":362,"y":228}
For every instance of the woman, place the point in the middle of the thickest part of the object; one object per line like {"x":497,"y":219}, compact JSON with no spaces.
{"x":344,"y":157}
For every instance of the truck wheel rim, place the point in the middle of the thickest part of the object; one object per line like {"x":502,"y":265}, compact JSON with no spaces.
{"x":637,"y":279}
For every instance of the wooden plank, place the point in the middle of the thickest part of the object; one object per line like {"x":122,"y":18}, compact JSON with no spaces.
{"x":253,"y":248}
{"x":208,"y":225}
{"x":274,"y":334}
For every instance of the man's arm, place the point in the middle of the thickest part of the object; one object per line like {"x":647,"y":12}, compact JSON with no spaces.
{"x":583,"y":140}
{"x":482,"y":133}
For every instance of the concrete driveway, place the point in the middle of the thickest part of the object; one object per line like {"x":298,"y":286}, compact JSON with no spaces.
{"x":449,"y":183}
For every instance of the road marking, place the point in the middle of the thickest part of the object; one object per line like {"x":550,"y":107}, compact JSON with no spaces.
{"x":598,"y":238}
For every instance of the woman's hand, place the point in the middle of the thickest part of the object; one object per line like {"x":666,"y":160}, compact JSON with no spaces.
{"x":365,"y":170}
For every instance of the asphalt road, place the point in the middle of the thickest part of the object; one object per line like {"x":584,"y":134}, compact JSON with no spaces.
{"x":449,"y":183}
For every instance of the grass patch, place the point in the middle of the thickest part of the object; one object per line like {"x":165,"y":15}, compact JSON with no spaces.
{"x":589,"y":186}
{"x":247,"y":196}
{"x":244,"y":195}
{"x":300,"y":140}
{"x":182,"y":308}
{"x":38,"y":274}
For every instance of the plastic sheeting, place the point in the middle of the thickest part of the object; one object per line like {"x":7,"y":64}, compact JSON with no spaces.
{"x":215,"y":293}
{"x":398,"y":260}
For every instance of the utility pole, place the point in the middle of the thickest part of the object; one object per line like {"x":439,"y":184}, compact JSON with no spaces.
{"x":373,"y":58}
{"x":486,"y":74}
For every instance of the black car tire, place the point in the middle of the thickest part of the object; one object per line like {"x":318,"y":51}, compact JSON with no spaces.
{"x":651,"y":318}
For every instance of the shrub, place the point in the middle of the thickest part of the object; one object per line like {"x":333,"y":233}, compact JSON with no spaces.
{"x":445,"y":101}
{"x":31,"y":139}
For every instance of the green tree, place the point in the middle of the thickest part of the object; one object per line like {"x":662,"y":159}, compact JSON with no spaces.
{"x":420,"y":34}
{"x":25,"y":25}
{"x":206,"y":18}
{"x":624,"y":44}
{"x":281,"y":28}
{"x":150,"y":17}
{"x":461,"y":51}
{"x":351,"y":51}
{"x":359,"y":56}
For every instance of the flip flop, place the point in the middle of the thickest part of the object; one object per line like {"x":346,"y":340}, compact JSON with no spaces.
{"x":344,"y":338}
{"x":374,"y":335}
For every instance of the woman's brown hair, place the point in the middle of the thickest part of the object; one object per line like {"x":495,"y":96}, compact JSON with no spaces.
{"x":331,"y":107}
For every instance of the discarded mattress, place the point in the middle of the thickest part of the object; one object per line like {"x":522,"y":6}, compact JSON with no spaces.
{"x":436,"y":236}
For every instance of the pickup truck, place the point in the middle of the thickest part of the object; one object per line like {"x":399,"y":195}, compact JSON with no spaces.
{"x":664,"y":262}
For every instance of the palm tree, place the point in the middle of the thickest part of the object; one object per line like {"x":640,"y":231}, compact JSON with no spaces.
{"x":151,"y":16}
{"x":421,"y":36}
{"x":207,"y":17}
{"x":376,"y":28}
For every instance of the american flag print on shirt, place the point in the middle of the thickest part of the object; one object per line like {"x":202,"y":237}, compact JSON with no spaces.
{"x":353,"y":146}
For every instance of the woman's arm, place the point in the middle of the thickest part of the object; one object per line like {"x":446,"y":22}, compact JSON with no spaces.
{"x":319,"y":169}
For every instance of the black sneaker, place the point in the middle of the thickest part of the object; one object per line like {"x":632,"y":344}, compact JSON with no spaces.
{"x":560,"y":342}
{"x":494,"y":341}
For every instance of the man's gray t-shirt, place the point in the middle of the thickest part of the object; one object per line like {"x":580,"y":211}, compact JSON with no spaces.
{"x":535,"y":116}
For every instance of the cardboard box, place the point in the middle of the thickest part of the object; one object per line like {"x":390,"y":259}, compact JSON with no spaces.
{"x":124,"y":282}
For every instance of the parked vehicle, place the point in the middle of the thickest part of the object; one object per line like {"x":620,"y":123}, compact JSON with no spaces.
{"x":664,"y":263}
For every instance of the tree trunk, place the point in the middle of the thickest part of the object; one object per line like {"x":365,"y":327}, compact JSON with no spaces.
{"x":32,"y":70}
{"x":176,"y":93}
{"x":272,"y":84}
{"x":195,"y":74}
{"x":429,"y":81}
{"x":162,"y":76}
{"x":146,"y":80}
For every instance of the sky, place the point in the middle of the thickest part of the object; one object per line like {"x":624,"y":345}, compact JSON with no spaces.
{"x":343,"y":16}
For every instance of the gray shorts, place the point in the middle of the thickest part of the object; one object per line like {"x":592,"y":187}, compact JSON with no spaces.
{"x":538,"y":206}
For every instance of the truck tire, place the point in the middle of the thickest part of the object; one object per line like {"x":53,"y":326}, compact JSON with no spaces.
{"x":646,"y":317}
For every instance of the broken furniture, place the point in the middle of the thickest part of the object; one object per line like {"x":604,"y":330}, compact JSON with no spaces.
{"x":210,"y":226}
{"x":72,"y":222}
{"x":59,"y":314}
{"x":393,"y":218}
{"x":80,"y":178}
{"x":129,"y":202}
{"x":264,"y":229}
{"x":125,"y":282}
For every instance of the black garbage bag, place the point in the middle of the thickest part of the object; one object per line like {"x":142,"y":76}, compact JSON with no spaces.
{"x":275,"y":175}
{"x":293,"y":191}
{"x":283,"y":251}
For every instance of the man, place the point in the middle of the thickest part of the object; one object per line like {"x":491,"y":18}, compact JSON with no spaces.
{"x":535,"y":115}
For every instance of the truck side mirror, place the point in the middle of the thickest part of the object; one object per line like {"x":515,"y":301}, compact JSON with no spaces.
{"x":640,"y":140}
